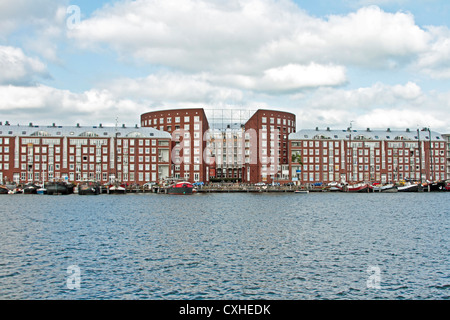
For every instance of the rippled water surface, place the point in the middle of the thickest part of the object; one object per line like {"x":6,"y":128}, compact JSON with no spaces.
{"x":226,"y":246}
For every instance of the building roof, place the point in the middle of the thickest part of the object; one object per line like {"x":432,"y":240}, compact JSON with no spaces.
{"x":375,"y":135}
{"x":81,"y":131}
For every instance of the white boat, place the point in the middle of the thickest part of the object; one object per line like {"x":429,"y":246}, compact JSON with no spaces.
{"x":385,"y":188}
{"x":301,"y":191}
{"x":117,"y":189}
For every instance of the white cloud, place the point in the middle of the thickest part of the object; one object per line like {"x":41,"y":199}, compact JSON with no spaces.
{"x":16,"y":14}
{"x":401,"y":119}
{"x":294,"y":77}
{"x":173,"y":86}
{"x":379,"y":106}
{"x":247,"y":38}
{"x":373,"y":37}
{"x":251,"y":54}
{"x":17,"y":68}
{"x":46,"y":104}
{"x":38,"y":25}
{"x":285,"y":79}
{"x":436,"y":60}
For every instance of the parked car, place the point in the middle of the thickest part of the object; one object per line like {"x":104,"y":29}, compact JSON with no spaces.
{"x":260,"y":184}
{"x":288,"y":184}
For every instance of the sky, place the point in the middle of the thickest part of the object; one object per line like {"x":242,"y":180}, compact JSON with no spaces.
{"x":374,"y":64}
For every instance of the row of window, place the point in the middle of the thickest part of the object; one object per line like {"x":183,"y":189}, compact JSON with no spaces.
{"x":4,"y":140}
{"x":364,"y":176}
{"x":360,"y":167}
{"x":100,"y":176}
{"x":168,"y":120}
{"x":392,"y":145}
{"x":279,"y":121}
{"x":365,"y":152}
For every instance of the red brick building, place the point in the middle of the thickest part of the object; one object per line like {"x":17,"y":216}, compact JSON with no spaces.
{"x":130,"y":155}
{"x":267,"y":146}
{"x":366,"y":155}
{"x":256,"y":151}
{"x":188,"y":128}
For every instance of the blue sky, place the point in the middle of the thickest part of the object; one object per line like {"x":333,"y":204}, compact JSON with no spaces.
{"x":380,"y":64}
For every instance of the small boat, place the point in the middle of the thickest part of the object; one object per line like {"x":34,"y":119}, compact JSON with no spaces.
{"x":30,"y":189}
{"x":409,"y":188}
{"x":88,"y":188}
{"x":59,"y":188}
{"x":385,"y":188}
{"x":334,"y":186}
{"x":4,"y":190}
{"x":18,"y":190}
{"x":117,"y":189}
{"x":181,"y":188}
{"x":359,"y":187}
{"x":334,"y":189}
{"x":301,"y":191}
{"x":434,"y":186}
{"x":41,"y":191}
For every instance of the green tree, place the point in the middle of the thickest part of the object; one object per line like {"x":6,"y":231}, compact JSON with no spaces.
{"x":297,"y":158}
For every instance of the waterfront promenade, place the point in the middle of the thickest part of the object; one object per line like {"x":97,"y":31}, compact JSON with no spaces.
{"x":249,"y":188}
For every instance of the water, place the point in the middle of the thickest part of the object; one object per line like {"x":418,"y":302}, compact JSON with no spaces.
{"x":226,"y":246}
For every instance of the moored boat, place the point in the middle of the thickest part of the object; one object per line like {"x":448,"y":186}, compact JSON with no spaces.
{"x":359,"y":187}
{"x":117,"y":189}
{"x":181,"y":188}
{"x":41,"y":191}
{"x":88,"y":188}
{"x":385,"y":188}
{"x":4,"y":190}
{"x":301,"y":191}
{"x":334,"y":186}
{"x":434,"y":186}
{"x":59,"y":188}
{"x":30,"y":189}
{"x":409,"y":188}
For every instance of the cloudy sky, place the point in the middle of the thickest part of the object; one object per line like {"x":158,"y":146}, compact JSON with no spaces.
{"x":380,"y":64}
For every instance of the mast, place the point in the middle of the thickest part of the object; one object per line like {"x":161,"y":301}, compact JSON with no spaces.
{"x":350,"y":149}
{"x":115,"y":151}
{"x":420,"y":155}
{"x":431,"y":156}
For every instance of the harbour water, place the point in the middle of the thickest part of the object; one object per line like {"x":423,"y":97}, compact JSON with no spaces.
{"x":225,"y":246}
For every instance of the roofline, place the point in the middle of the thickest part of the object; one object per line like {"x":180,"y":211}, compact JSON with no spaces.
{"x":373,"y":135}
{"x":75,"y":131}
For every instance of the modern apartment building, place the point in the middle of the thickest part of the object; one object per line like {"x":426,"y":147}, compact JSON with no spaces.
{"x":261,"y":147}
{"x":252,"y":151}
{"x":106,"y":154}
{"x":367,"y":155}
{"x":188,"y":128}
{"x":266,"y":146}
{"x":226,"y":150}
